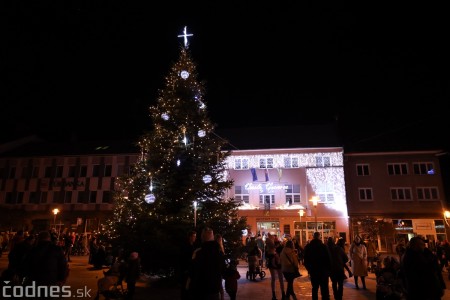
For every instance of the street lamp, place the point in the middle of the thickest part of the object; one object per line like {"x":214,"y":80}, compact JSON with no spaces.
{"x":55,"y":212}
{"x":301,"y":212}
{"x":314,"y":200}
{"x":195,"y":214}
{"x":446,"y":216}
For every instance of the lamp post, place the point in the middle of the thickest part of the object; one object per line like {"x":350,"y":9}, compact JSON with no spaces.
{"x":195,"y":214}
{"x":314,"y":200}
{"x":55,"y":212}
{"x":446,"y":216}
{"x":301,"y":212}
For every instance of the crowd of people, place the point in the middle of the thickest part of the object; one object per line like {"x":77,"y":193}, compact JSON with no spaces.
{"x":415,"y":273}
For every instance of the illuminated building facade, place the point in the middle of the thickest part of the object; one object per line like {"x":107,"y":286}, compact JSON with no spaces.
{"x":275,"y":185}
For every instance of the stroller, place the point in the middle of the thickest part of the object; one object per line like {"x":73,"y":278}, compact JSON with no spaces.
{"x":254,"y":268}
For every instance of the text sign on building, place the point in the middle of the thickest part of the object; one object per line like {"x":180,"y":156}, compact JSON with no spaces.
{"x":268,"y":188}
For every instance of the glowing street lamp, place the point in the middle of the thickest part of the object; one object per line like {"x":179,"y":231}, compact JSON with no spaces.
{"x":195,"y":214}
{"x":55,"y":212}
{"x":315,"y":200}
{"x":446,"y":216}
{"x":301,"y":213}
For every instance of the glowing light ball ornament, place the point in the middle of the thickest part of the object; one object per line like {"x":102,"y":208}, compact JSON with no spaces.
{"x":207,"y":179}
{"x":165,"y":116}
{"x":201,"y":133}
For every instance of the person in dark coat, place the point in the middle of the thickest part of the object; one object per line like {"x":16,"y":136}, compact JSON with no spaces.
{"x":338,"y":260}
{"x":421,"y":272}
{"x":208,"y":265}
{"x":46,"y":264}
{"x":132,"y":273}
{"x":187,"y":249}
{"x":231,"y":277}
{"x":318,"y":263}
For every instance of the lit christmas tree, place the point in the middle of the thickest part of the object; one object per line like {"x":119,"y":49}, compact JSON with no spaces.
{"x":179,"y":183}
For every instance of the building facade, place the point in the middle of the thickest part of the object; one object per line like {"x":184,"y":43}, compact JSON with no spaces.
{"x":403,"y":189}
{"x":276,"y":188}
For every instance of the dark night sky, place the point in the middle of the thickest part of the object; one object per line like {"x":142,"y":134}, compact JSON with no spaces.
{"x":93,"y":68}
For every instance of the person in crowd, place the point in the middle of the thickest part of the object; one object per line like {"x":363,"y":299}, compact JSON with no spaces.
{"x":341,"y":243}
{"x":187,"y":249}
{"x":299,"y":250}
{"x":389,"y":285}
{"x":132,"y":273}
{"x":372,"y":253}
{"x":260,"y":242}
{"x":274,"y":265}
{"x":421,"y":272}
{"x":253,"y":258}
{"x":339,"y":259}
{"x":318,"y":263}
{"x":46,"y":264}
{"x":219,"y":239}
{"x":207,"y":268}
{"x":400,"y":248}
{"x":17,"y":238}
{"x":443,"y":254}
{"x":358,"y":256}
{"x":17,"y":257}
{"x":289,"y":266}
{"x":231,"y":276}
{"x":69,"y":241}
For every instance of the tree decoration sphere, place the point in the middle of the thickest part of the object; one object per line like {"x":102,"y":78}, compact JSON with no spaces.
{"x":201,"y":133}
{"x":149,"y":198}
{"x":165,"y":116}
{"x":207,"y":179}
{"x":184,"y":74}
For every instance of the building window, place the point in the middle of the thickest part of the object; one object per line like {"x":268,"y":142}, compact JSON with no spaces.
{"x":19,"y":197}
{"x":241,"y":194}
{"x":83,"y":171}
{"x":397,"y":169}
{"x":68,"y":197}
{"x":72,"y":171}
{"x":293,"y":193}
{"x":427,"y":193}
{"x":266,"y":199}
{"x":365,"y":194}
{"x":325,"y":197}
{"x":44,"y":197}
{"x":401,"y":194}
{"x":48,"y":172}
{"x":291,"y":162}
{"x":323,"y":161}
{"x":423,"y":168}
{"x":107,"y":197}
{"x":95,"y":170}
{"x":33,"y":198}
{"x":12,"y":173}
{"x":9,"y":198}
{"x":108,"y":170}
{"x":35,"y":173}
{"x":93,"y":197}
{"x":241,"y":164}
{"x":59,"y":171}
{"x":266,"y":163}
{"x":26,"y":172}
{"x":362,"y":170}
{"x":82,"y":197}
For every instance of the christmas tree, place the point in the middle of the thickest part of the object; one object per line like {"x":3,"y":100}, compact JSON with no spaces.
{"x":180,"y":180}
